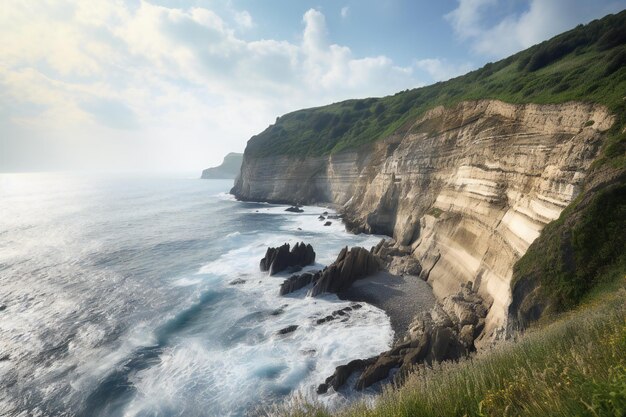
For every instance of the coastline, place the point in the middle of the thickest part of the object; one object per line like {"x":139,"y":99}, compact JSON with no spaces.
{"x":402,"y":297}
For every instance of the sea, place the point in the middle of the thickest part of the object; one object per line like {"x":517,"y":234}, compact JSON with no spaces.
{"x":141,"y":295}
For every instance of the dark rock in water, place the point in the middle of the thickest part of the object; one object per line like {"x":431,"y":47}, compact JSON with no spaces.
{"x":337,"y":313}
{"x":278,"y":259}
{"x":378,"y":371}
{"x":325,"y":213}
{"x":237,"y":281}
{"x":350,"y":265}
{"x":325,"y":319}
{"x":299,"y":228}
{"x":288,"y":329}
{"x":334,"y":216}
{"x":5,"y":357}
{"x":321,"y":218}
{"x":328,"y":223}
{"x":295,"y":282}
{"x":342,"y":373}
{"x":280,"y":310}
{"x":294,"y":209}
{"x":3,"y":307}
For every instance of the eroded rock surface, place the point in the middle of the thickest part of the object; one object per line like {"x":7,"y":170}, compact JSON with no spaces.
{"x":281,"y":258}
{"x":350,"y":265}
{"x":446,"y":332}
{"x":296,"y":282}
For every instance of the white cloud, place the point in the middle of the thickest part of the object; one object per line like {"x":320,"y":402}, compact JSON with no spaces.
{"x":168,"y":87}
{"x":441,"y":70}
{"x":344,"y":11}
{"x":244,"y":20}
{"x":541,"y":20}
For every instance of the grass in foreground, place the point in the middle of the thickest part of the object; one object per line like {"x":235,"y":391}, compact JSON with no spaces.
{"x":575,"y":366}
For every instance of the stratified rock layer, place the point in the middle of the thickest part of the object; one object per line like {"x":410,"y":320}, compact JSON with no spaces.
{"x":465,"y":189}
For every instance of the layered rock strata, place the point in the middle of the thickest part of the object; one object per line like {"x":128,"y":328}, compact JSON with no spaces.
{"x":463,"y":190}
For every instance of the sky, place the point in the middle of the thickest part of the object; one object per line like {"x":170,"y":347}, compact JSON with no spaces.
{"x":156,"y":85}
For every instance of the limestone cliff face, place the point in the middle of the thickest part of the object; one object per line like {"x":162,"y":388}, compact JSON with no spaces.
{"x":466,"y":188}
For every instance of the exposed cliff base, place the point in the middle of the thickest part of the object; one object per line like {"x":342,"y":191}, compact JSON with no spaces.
{"x":464,"y":190}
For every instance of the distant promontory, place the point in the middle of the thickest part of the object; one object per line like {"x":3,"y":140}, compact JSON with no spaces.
{"x":229,"y":169}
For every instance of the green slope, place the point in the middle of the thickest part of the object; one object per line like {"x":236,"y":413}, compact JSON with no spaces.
{"x":587,"y":63}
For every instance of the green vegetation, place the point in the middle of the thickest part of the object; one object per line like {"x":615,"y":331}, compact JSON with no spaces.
{"x":587,"y":63}
{"x":435,"y":212}
{"x":575,"y":366}
{"x":584,"y":248}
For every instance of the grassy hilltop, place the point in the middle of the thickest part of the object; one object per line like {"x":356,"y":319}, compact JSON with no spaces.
{"x":587,"y":63}
{"x":573,"y":360}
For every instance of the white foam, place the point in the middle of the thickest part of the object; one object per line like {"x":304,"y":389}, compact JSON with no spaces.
{"x":225,"y":196}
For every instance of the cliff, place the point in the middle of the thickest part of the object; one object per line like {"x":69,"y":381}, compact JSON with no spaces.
{"x":465,"y":174}
{"x":467,"y":188}
{"x":229,"y":168}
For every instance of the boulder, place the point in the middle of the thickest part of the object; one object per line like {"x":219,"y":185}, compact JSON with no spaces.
{"x":321,"y":218}
{"x":350,"y":266}
{"x":342,"y":373}
{"x":237,"y":281}
{"x":378,"y":371}
{"x":281,"y":258}
{"x":445,"y":345}
{"x":328,"y":223}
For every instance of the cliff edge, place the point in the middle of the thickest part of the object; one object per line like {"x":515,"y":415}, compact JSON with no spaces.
{"x":466,"y":189}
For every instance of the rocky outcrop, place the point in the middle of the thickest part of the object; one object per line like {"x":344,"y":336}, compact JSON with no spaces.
{"x":341,"y":313}
{"x":281,"y":258}
{"x":464,"y":190}
{"x":447,"y":332}
{"x":397,"y":260}
{"x":296,"y":282}
{"x":350,"y":265}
